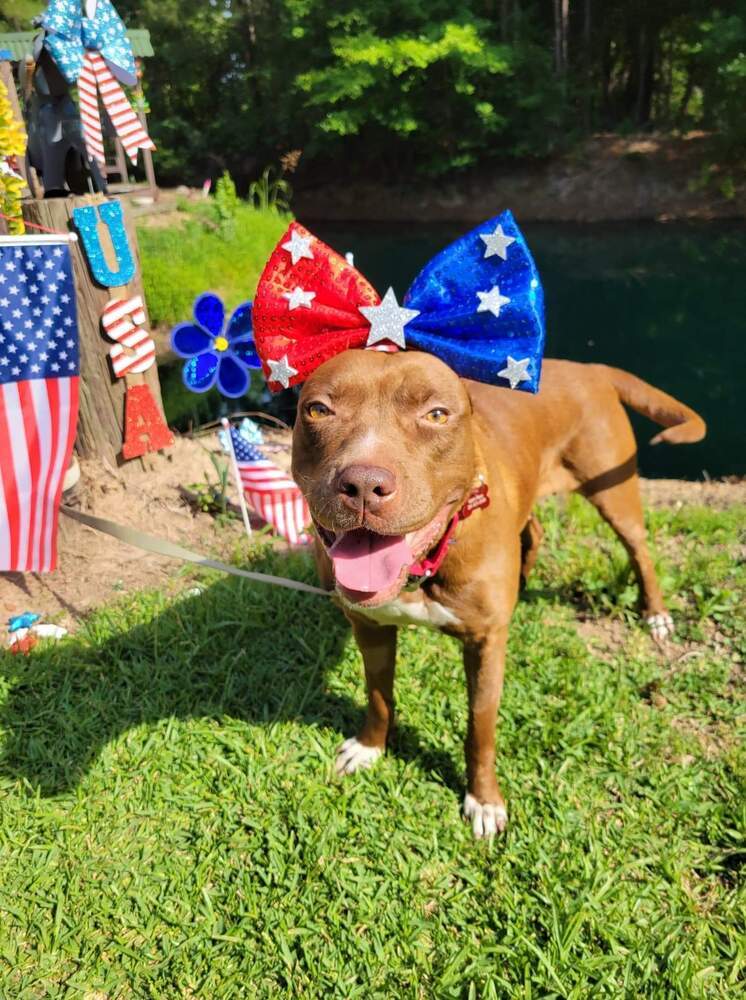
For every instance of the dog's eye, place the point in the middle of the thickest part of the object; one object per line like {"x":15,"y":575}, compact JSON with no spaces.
{"x":317,"y":410}
{"x":437,"y":416}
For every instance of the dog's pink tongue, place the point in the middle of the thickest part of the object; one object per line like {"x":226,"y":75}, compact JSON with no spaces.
{"x":368,"y":562}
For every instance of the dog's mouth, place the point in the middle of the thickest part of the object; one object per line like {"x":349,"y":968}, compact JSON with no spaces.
{"x":371,"y":568}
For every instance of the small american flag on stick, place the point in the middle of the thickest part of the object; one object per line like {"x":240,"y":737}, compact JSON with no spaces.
{"x":270,"y":491}
{"x":39,"y":373}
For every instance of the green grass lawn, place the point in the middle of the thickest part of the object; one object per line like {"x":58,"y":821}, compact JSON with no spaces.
{"x":169,"y":824}
{"x":179,"y":262}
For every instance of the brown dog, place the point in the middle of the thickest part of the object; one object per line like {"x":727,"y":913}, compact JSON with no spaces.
{"x":388,"y":447}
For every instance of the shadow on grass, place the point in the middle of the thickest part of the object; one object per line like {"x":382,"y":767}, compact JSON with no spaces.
{"x":240,"y":650}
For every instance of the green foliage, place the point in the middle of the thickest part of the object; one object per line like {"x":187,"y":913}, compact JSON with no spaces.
{"x":367,"y":88}
{"x":270,"y":193}
{"x":179,"y":263}
{"x":227,"y":205}
{"x":212,"y":497}
{"x":720,"y":63}
{"x":374,"y":89}
{"x":16,"y":15}
{"x":170,"y":826}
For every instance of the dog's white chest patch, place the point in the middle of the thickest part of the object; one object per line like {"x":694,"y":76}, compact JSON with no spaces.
{"x":414,"y":612}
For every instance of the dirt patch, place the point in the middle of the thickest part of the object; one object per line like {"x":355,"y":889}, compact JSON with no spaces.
{"x":607,"y":178}
{"x":677,"y":492}
{"x":94,"y":569}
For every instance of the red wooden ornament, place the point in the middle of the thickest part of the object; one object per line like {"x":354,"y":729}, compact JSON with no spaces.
{"x":144,"y":427}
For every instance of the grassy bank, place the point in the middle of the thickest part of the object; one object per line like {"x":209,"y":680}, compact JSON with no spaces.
{"x":200,"y":253}
{"x":169,"y":826}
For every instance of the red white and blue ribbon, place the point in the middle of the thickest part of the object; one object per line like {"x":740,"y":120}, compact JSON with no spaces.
{"x":96,"y":79}
{"x":95,"y":53}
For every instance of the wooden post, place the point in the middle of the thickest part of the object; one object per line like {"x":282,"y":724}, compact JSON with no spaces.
{"x":147,"y":155}
{"x":101,"y":419}
{"x":121,"y":160}
{"x":149,"y":169}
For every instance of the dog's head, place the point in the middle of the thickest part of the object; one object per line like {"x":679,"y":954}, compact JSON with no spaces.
{"x":383,"y":452}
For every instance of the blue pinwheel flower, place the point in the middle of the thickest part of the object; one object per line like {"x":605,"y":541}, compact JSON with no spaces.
{"x":216,"y":353}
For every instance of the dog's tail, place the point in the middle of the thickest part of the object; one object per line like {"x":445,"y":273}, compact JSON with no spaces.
{"x":683,"y":425}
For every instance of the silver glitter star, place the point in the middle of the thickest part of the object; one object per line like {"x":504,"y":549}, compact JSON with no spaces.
{"x":388,"y":320}
{"x":299,"y":297}
{"x":491,"y":301}
{"x":515,"y":371}
{"x":281,"y":371}
{"x":298,"y":246}
{"x":496,"y":243}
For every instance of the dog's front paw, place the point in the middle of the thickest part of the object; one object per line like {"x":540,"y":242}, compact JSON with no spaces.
{"x":354,"y":755}
{"x":660,"y":625}
{"x":487,"y":818}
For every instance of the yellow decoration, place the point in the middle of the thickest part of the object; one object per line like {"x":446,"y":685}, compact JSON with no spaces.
{"x":221,"y":344}
{"x":12,"y":144}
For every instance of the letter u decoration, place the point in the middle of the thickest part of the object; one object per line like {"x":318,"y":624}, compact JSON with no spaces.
{"x":86,"y":222}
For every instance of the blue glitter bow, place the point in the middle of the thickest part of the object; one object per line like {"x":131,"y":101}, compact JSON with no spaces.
{"x":69,"y":34}
{"x":216,"y":354}
{"x":481,"y":307}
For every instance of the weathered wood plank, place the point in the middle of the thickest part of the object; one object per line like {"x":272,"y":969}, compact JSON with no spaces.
{"x":101,"y":419}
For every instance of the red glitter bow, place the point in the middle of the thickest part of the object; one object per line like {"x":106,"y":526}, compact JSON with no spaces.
{"x":306,"y":308}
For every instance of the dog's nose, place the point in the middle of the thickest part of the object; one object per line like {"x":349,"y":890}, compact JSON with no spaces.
{"x":365,"y":485}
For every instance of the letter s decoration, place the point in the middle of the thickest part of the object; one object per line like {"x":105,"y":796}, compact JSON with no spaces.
{"x":124,"y":321}
{"x":132,"y":354}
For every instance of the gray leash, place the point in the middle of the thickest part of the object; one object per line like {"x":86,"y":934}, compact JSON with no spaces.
{"x":162,"y":547}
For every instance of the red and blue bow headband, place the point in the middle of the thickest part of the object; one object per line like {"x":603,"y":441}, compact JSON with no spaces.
{"x":478,"y":305}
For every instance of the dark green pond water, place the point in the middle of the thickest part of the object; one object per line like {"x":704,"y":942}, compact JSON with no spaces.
{"x":665,"y":301}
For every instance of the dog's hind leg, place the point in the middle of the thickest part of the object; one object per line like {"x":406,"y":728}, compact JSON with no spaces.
{"x":620,"y":506}
{"x":377,"y":643}
{"x":531,"y":537}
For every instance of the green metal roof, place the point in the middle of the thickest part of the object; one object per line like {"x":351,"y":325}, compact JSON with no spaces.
{"x":21,"y":43}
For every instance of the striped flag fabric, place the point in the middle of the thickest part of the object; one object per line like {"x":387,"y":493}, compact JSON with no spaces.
{"x":270,"y":491}
{"x":39,"y":374}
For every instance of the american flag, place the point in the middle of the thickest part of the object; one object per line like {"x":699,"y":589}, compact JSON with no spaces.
{"x":270,"y":491}
{"x":39,"y":369}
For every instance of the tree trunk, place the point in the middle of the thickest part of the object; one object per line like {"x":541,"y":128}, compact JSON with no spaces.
{"x":588,"y":61}
{"x":646,"y":78}
{"x":561,"y":21}
{"x":565,"y":26}
{"x":101,"y":416}
{"x":607,"y":62}
{"x":557,"y":37}
{"x":504,"y":18}
{"x":687,"y":95}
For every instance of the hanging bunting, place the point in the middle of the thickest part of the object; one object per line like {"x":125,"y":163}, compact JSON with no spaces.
{"x":85,"y":219}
